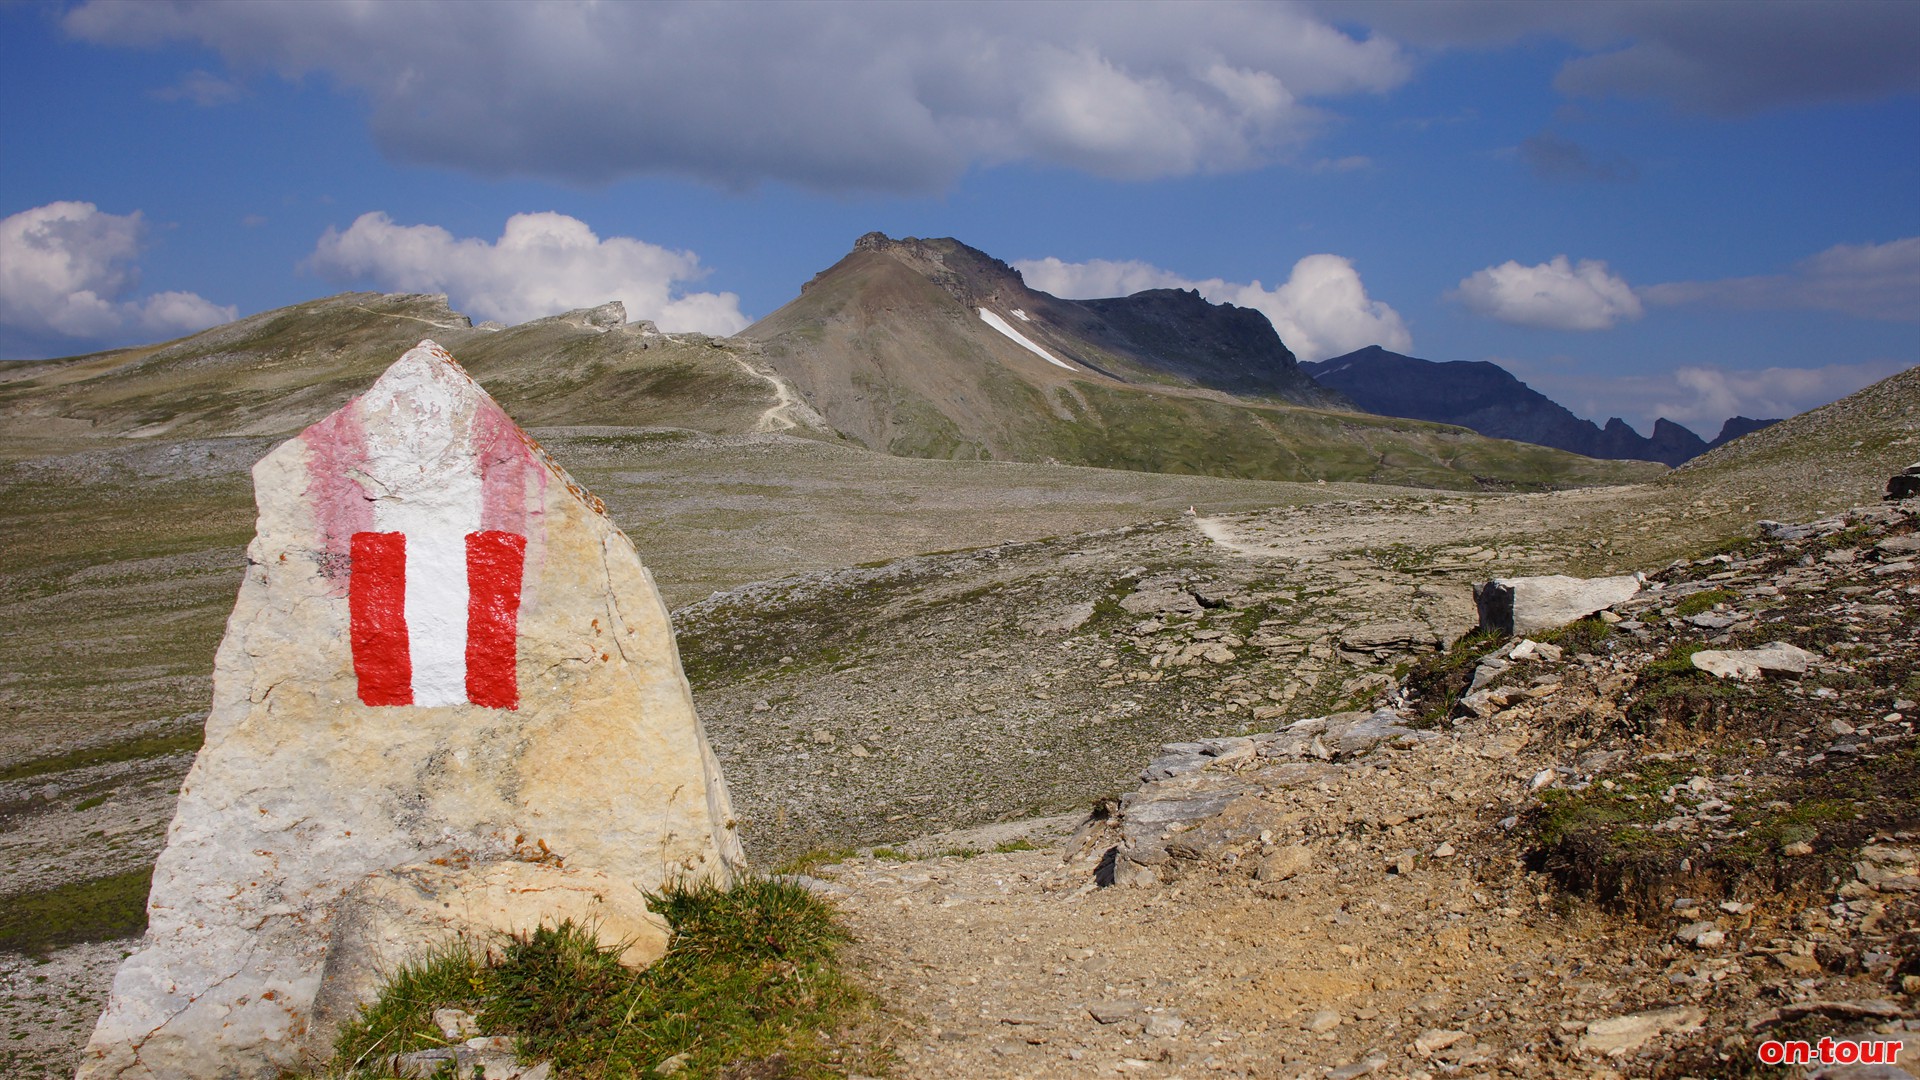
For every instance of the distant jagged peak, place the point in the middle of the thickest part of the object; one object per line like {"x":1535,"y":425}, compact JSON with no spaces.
{"x":1736,"y":426}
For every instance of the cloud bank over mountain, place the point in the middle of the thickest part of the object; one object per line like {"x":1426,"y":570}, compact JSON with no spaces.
{"x":1321,"y":310}
{"x":1699,"y":396}
{"x":832,"y":96}
{"x":1727,"y":59}
{"x":67,"y":272}
{"x":542,"y":264}
{"x":1868,"y":281}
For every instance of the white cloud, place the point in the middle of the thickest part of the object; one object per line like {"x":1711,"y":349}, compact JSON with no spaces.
{"x":66,"y":269}
{"x":1701,"y":397}
{"x":833,"y":95}
{"x":1869,"y":281}
{"x":543,"y":264}
{"x":1321,"y":310}
{"x":1555,"y":295}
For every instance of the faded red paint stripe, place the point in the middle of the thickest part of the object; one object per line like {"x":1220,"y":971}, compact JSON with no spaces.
{"x":494,"y":563}
{"x":377,"y":605}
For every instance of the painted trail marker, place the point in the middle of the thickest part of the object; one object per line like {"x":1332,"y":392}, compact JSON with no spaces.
{"x":448,"y":701}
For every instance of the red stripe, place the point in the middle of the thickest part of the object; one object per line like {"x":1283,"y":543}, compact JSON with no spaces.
{"x":494,"y":562}
{"x":377,"y":602}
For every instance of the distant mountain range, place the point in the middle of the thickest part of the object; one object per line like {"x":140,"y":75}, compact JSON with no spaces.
{"x":931,"y":348}
{"x":1486,"y":398}
{"x":920,"y":348}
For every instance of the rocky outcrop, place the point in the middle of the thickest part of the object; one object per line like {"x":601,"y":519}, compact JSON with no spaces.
{"x":443,"y":655}
{"x":1737,"y":426}
{"x":1220,"y":346}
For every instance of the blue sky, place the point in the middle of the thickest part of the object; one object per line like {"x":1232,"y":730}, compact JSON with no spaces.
{"x":1690,"y":210}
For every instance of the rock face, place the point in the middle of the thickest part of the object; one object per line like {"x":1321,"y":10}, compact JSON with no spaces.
{"x":443,"y":653}
{"x":1527,"y":605}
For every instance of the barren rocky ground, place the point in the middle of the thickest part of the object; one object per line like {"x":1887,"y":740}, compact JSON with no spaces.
{"x":1578,"y":860}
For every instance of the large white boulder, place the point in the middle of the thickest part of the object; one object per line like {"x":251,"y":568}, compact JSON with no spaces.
{"x":442,"y":650}
{"x":1528,"y":605}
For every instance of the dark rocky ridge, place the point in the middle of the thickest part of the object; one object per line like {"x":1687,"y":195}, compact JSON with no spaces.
{"x":1221,"y":346}
{"x":1488,"y":399}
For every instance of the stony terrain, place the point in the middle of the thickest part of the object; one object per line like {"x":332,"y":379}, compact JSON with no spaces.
{"x":1348,"y":897}
{"x":879,"y":714}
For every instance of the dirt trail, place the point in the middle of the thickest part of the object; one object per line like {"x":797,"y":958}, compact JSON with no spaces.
{"x":778,"y":416}
{"x":1017,"y":965}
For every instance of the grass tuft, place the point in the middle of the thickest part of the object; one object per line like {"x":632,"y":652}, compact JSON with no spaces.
{"x":1703,"y":601}
{"x":753,"y":976}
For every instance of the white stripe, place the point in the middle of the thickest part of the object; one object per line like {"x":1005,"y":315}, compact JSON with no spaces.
{"x":425,"y":478}
{"x":437,"y":615}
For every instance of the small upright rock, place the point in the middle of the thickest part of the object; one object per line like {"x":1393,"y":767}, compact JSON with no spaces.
{"x":445,"y":662}
{"x":1906,"y":485}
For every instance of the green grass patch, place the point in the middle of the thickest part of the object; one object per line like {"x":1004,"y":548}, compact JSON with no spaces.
{"x":808,"y":861}
{"x":99,"y":910}
{"x":1676,"y":662}
{"x":1581,"y":635}
{"x":753,"y":976}
{"x":1633,"y":801}
{"x":1769,"y":831}
{"x":88,"y":804}
{"x":147,"y":746}
{"x":1402,"y":558}
{"x":1703,"y":601}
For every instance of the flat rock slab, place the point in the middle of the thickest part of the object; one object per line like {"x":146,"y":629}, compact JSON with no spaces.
{"x":443,"y":653}
{"x":1619,"y":1034}
{"x":1747,"y":664}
